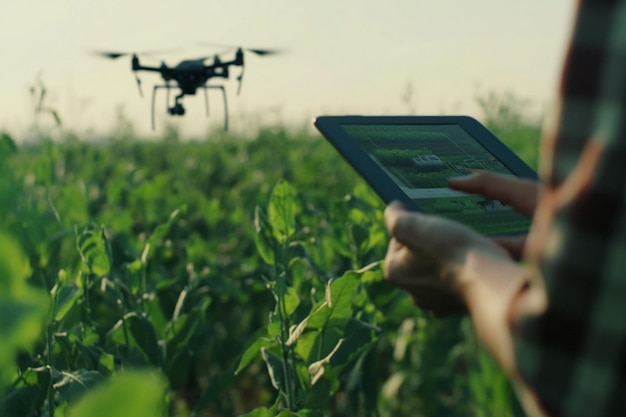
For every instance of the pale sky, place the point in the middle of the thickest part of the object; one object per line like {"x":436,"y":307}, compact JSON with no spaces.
{"x":342,"y":56}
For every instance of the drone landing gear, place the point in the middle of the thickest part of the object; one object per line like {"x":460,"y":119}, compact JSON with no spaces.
{"x":179,"y":110}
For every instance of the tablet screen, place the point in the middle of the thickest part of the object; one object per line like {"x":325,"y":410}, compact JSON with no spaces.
{"x":420,"y":159}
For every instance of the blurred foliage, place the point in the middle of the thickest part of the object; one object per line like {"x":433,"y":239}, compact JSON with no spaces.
{"x":236,"y":274}
{"x":510,"y":119}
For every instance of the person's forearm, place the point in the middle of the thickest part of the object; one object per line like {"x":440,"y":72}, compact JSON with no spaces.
{"x":498,"y":294}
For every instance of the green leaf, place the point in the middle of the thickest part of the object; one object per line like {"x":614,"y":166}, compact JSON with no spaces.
{"x":264,"y":239}
{"x":64,"y":299}
{"x":263,"y":411}
{"x":177,"y":368}
{"x":274,"y":325}
{"x":282,"y":210}
{"x":73,"y":205}
{"x":288,"y":295}
{"x":337,"y":309}
{"x":22,"y":308}
{"x":275,"y":369}
{"x":358,"y":337}
{"x":286,"y":413}
{"x":146,"y":338}
{"x":182,"y":331}
{"x":133,"y":274}
{"x":74,"y":384}
{"x":106,"y":362}
{"x":260,"y":412}
{"x":306,"y":346}
{"x":252,"y":352}
{"x":161,"y":231}
{"x":21,"y":402}
{"x":7,"y":146}
{"x":372,"y":273}
{"x":94,"y":250}
{"x":309,"y":413}
{"x":14,"y":267}
{"x":292,"y":301}
{"x":141,"y":336}
{"x":133,"y":394}
{"x":43,"y":168}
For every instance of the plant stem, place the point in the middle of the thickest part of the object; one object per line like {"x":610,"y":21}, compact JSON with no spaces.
{"x":50,"y":342}
{"x":284,"y":331}
{"x":118,"y":292}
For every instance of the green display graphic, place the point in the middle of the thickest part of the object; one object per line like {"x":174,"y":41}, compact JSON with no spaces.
{"x":421,"y":158}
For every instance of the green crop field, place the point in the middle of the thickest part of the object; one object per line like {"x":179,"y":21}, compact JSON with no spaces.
{"x":224,"y":277}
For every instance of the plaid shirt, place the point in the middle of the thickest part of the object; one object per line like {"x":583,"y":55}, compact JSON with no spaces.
{"x":573,"y":356}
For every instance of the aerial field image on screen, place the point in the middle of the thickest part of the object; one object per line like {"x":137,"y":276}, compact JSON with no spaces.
{"x":420,"y":159}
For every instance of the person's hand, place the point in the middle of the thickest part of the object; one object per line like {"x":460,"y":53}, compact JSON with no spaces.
{"x":521,"y":194}
{"x":433,"y":258}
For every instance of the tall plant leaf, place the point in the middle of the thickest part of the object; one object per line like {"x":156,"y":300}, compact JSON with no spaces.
{"x":133,"y":394}
{"x":264,"y":238}
{"x":94,"y":249}
{"x":282,"y":211}
{"x":337,"y":309}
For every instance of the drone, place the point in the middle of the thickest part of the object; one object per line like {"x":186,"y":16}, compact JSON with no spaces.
{"x":190,"y":75}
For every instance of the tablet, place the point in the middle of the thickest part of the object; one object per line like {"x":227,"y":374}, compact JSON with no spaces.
{"x":410,"y":158}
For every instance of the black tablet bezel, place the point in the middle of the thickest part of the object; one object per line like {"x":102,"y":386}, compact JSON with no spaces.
{"x":331,"y":129}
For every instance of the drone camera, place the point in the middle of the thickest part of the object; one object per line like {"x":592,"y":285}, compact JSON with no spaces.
{"x":176,"y":110}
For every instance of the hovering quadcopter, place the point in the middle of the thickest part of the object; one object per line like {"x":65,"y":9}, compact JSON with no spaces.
{"x":189,"y":76}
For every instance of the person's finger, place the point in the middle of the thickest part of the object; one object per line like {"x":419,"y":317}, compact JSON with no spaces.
{"x":426,"y":234}
{"x":403,"y":264}
{"x":404,"y":226}
{"x":394,"y":264}
{"x":521,"y":194}
{"x":392,"y":216}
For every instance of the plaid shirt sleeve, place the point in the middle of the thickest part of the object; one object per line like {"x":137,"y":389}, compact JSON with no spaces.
{"x":573,"y":356}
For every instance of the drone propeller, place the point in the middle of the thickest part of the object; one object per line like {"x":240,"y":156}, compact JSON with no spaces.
{"x":116,"y":55}
{"x":260,"y":52}
{"x":239,"y":56}
{"x":111,"y":55}
{"x":263,"y":52}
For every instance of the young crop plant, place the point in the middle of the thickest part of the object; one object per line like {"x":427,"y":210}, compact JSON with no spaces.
{"x":320,"y":329}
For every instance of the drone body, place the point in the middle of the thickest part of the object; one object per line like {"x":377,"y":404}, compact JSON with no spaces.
{"x":190,"y":75}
